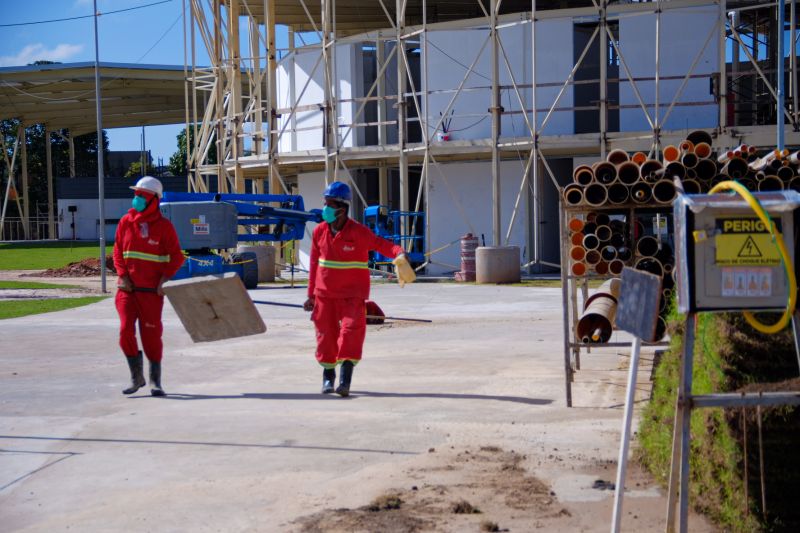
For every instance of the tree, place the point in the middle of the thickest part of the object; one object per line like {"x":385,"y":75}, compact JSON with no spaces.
{"x":85,"y":157}
{"x":135,"y":170}
{"x":177,"y":162}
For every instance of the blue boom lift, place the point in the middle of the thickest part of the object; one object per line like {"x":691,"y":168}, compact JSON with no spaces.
{"x":209,"y":221}
{"x":404,"y":228}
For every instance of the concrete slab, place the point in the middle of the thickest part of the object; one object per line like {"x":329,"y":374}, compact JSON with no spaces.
{"x":214,"y":308}
{"x":245,"y":442}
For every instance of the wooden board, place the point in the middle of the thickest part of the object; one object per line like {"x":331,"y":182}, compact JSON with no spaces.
{"x":213,"y":308}
{"x":637,"y":310}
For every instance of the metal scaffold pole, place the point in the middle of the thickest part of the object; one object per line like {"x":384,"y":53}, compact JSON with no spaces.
{"x":496,"y":112}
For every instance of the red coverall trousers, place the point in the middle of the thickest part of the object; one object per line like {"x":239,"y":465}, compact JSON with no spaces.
{"x":341,"y":326}
{"x":144,"y":307}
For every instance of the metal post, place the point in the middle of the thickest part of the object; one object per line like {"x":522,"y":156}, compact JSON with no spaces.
{"x":100,"y":155}
{"x":796,"y":331}
{"x":780,"y":65}
{"x":535,"y":121}
{"x":656,"y":119}
{"x":627,"y":419}
{"x":562,"y":223}
{"x":141,"y":156}
{"x":602,"y":42}
{"x":723,"y":76}
{"x":793,"y":60}
{"x":327,"y":113}
{"x":426,"y":167}
{"x":680,"y":436}
{"x":496,"y":117}
{"x":274,"y":184}
{"x":383,"y":174}
{"x":48,"y":152}
{"x":235,"y":109}
{"x":685,"y":404}
{"x":25,"y":213}
{"x":402,"y":123}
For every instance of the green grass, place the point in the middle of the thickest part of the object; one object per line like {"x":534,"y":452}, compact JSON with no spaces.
{"x":34,"y":285}
{"x":716,"y":485}
{"x":44,"y":255}
{"x":16,"y":308}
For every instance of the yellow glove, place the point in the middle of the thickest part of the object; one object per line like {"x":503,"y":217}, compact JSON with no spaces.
{"x":405,"y":274}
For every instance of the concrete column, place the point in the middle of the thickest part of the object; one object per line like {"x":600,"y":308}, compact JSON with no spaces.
{"x":25,"y":192}
{"x":71,"y":144}
{"x":48,"y":152}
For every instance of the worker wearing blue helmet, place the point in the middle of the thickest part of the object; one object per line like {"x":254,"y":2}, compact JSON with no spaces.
{"x":338,"y":286}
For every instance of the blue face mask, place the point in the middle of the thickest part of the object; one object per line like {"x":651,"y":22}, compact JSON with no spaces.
{"x":329,"y":214}
{"x":139,"y":203}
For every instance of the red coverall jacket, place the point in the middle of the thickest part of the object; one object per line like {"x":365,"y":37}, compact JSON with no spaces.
{"x":146,"y":247}
{"x":339,"y":262}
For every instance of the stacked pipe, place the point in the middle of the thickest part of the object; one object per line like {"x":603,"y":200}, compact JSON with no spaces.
{"x":598,"y":244}
{"x":638,"y":180}
{"x":595,"y":324}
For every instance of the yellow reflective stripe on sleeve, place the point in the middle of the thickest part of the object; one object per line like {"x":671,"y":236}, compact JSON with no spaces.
{"x":130,"y":254}
{"x":342,"y":265}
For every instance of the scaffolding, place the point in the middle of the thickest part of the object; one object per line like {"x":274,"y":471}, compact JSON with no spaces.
{"x":236,"y":124}
{"x":234,"y":105}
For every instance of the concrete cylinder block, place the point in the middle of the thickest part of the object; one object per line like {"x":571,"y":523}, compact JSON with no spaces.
{"x":497,"y":264}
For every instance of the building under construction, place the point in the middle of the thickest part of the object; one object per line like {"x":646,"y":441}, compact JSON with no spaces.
{"x":427,"y":105}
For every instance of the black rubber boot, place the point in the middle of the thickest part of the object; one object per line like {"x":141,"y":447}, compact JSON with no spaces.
{"x":137,"y":374}
{"x":155,"y":380}
{"x":345,"y":376}
{"x":328,"y":379}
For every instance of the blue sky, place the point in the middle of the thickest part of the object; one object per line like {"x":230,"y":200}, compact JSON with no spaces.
{"x":149,"y":35}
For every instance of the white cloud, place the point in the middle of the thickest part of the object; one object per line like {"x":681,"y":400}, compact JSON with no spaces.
{"x":37,"y":51}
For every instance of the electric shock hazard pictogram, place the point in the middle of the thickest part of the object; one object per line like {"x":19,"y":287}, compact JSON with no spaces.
{"x":745,"y":241}
{"x":749,"y":249}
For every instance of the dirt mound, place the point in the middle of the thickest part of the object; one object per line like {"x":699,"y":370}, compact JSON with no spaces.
{"x":467,"y":490}
{"x":79,"y":269}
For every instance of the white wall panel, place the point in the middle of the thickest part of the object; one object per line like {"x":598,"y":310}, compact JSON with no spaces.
{"x":450,"y":53}
{"x":683,"y":33}
{"x":470,"y":185}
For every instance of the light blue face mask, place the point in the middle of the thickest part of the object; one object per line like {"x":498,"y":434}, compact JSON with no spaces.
{"x":329,"y":214}
{"x":139,"y":203}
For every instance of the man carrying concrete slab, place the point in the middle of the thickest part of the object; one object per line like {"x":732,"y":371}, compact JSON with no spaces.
{"x":338,"y":286}
{"x":146,"y":254}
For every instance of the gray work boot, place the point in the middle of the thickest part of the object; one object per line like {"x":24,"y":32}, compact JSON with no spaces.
{"x":137,"y":374}
{"x":155,"y":380}
{"x":328,"y":379}
{"x":345,"y":376}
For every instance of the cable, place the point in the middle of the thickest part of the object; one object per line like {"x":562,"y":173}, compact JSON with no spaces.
{"x":788,"y":268}
{"x":82,"y":16}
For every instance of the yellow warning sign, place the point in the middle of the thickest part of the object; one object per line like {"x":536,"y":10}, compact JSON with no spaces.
{"x":745,"y":241}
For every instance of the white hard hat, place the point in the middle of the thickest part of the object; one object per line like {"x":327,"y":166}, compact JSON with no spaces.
{"x":149,"y":184}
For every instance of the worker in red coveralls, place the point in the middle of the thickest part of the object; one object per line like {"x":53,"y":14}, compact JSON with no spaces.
{"x":146,"y":254}
{"x":338,"y":286}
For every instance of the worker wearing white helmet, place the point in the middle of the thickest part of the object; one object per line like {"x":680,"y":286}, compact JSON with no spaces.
{"x":146,"y":254}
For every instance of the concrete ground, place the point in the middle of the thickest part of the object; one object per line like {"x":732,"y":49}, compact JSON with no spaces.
{"x":245,"y":442}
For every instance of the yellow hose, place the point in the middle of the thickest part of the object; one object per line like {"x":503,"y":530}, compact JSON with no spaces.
{"x":787,"y":262}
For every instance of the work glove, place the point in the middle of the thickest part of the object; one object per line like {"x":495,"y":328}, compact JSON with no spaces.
{"x":405,"y":274}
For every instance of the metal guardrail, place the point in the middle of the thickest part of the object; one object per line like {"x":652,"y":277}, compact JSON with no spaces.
{"x":13,"y":229}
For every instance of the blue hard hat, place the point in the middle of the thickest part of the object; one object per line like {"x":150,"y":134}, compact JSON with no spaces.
{"x":338,"y":191}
